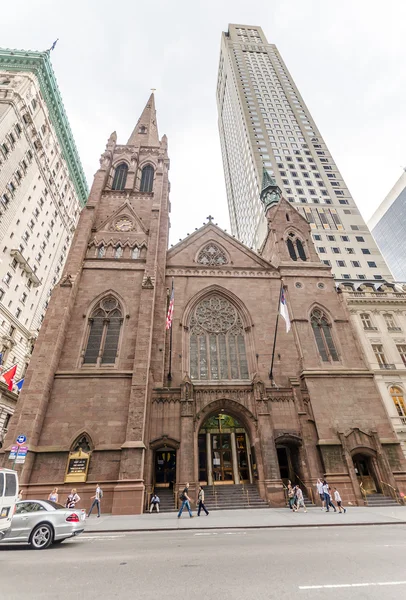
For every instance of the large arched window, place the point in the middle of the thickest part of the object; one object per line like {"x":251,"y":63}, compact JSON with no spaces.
{"x":322,"y":333}
{"x":295,"y":247}
{"x":120,"y":177}
{"x":147,"y":179}
{"x":104,"y":332}
{"x":217,"y":341}
{"x":399,"y":402}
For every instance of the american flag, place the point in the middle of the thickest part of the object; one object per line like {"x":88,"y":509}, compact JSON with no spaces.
{"x":169,"y":316}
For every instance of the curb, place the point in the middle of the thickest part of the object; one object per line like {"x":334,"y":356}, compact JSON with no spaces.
{"x":240,"y":527}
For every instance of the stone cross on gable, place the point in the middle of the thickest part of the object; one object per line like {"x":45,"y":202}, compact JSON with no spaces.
{"x":210,"y":219}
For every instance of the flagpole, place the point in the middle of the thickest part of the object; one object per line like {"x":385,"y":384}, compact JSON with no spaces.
{"x":276,"y":332}
{"x":170,"y":345}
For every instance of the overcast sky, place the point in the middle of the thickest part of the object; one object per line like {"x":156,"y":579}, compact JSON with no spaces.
{"x":347,"y":58}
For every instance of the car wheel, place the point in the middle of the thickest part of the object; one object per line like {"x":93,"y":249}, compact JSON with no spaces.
{"x":41,"y":537}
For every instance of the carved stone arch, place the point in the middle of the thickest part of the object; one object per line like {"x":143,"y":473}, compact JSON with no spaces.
{"x":164,"y":441}
{"x":212,"y":253}
{"x":232,"y":408}
{"x":105,"y":294}
{"x":148,"y":160}
{"x":76,"y":440}
{"x":287,"y":438}
{"x":297,"y":233}
{"x":119,"y":160}
{"x":220,"y":290}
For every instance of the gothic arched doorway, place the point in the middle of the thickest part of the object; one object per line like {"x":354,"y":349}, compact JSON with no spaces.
{"x":288,"y":448}
{"x":366,"y":471}
{"x":165,"y":467}
{"x":224,"y":451}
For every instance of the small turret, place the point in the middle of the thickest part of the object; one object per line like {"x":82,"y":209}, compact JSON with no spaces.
{"x":270,"y":192}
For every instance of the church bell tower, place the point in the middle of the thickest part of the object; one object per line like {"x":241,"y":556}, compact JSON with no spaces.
{"x":90,"y":375}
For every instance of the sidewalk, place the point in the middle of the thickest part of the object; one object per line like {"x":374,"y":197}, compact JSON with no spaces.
{"x":247,"y":519}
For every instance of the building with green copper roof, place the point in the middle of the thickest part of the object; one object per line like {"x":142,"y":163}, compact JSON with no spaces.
{"x":39,"y":64}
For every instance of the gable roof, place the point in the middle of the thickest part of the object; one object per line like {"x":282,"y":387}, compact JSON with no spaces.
{"x":124,"y":209}
{"x":209,"y":232}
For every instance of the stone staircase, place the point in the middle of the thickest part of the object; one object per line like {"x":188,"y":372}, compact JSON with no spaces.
{"x":230,"y":497}
{"x":374,"y":500}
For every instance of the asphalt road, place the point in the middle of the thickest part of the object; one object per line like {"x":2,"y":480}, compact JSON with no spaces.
{"x":318,"y":563}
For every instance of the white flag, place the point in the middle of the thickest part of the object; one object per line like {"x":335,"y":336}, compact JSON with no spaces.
{"x":283,"y":310}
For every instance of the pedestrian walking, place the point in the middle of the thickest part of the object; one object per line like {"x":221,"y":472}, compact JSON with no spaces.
{"x":291,"y":496}
{"x":154,"y":503}
{"x":337,"y":498}
{"x":98,"y":495}
{"x":72,"y":499}
{"x":185,"y":501}
{"x":320,"y":492}
{"x":200,"y":501}
{"x":299,"y":499}
{"x":327,"y":497}
{"x":54,"y":496}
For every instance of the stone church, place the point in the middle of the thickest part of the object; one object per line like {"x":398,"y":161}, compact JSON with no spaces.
{"x":152,"y":408}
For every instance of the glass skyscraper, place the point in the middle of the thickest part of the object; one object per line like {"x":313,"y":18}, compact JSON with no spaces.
{"x":264,"y":122}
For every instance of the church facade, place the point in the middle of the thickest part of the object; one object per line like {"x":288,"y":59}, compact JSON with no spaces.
{"x":153,"y":407}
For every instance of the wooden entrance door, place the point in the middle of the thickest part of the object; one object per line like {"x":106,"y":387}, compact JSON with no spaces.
{"x":222,"y":457}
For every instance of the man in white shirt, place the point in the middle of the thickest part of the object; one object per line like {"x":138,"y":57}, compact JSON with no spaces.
{"x":96,"y":500}
{"x":320,"y":492}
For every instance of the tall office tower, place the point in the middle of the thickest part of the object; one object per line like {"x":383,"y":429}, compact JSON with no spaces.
{"x":42,"y":189}
{"x":264,"y":123}
{"x":388,"y":226}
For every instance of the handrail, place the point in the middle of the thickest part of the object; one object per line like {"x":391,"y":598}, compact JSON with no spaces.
{"x":363,"y":493}
{"x":308,"y":491}
{"x":394,"y":492}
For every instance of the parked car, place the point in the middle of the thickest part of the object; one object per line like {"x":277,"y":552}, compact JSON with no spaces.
{"x":41,"y":523}
{"x":8,"y":498}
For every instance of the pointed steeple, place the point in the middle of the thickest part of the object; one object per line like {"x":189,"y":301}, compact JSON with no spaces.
{"x":270,"y":192}
{"x":146,"y":130}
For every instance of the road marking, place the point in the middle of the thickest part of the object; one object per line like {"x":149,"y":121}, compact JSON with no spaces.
{"x":394,"y":546}
{"x":235,"y":533}
{"x":100,"y":537}
{"x":206,"y":534}
{"x":350,"y":585}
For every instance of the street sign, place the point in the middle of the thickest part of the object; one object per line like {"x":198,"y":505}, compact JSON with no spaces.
{"x":21,"y":439}
{"x":21,"y":455}
{"x":13,"y":453}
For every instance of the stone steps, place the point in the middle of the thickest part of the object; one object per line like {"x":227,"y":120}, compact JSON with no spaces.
{"x":376,"y":500}
{"x":222,"y":497}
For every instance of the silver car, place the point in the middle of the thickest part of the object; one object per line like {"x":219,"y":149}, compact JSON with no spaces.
{"x":41,"y":523}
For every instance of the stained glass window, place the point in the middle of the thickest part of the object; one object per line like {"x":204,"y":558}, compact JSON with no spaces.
{"x":104,"y":332}
{"x":120,"y":177}
{"x":323,"y":336}
{"x":147,"y":179}
{"x":217,"y":341}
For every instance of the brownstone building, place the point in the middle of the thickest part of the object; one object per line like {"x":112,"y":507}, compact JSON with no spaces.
{"x":106,"y":377}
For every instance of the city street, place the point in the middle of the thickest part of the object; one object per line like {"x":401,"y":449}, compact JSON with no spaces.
{"x":248,"y":564}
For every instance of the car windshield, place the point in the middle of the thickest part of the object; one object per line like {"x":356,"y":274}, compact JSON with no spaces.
{"x":55,"y":505}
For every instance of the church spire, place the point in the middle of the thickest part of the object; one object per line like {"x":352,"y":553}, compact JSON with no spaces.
{"x":146,"y":130}
{"x":270,"y":192}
